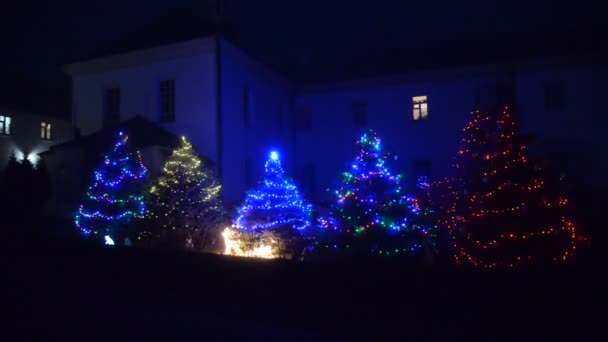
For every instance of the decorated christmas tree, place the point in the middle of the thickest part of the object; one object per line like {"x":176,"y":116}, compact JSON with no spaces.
{"x":116,"y":197}
{"x":274,"y":214}
{"x":502,"y":213}
{"x":373,"y":209}
{"x":185,"y":201}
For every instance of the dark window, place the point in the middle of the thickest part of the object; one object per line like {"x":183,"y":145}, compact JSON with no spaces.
{"x":248,"y":174}
{"x":167,"y":101}
{"x":308,"y":178}
{"x":304,"y":118}
{"x":359,"y":113}
{"x":111,"y":106}
{"x":246,"y":107}
{"x":5,"y":125}
{"x":553,"y":96}
{"x":45,"y":131}
{"x":421,"y":168}
{"x":280,"y":115}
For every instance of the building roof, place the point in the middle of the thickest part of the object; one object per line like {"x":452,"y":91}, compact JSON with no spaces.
{"x":142,"y":132}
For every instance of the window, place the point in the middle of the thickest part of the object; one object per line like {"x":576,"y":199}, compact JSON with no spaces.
{"x":280,"y":115}
{"x":45,"y":131}
{"x":246,"y":107}
{"x":421,"y":108}
{"x":304,"y":118}
{"x":111,"y":106}
{"x":167,"y":101}
{"x":308,"y":178}
{"x":5,"y":125}
{"x":421,"y":168}
{"x":359,"y":113}
{"x":553,"y":96}
{"x":248,"y":174}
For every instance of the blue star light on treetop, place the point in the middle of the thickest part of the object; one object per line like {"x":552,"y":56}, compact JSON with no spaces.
{"x":275,"y":204}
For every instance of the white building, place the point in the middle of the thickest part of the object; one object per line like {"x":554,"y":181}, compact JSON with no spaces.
{"x":235,"y":110}
{"x":26,"y":135}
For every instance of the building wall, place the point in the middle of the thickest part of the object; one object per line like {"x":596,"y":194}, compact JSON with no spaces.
{"x":195,"y":76}
{"x":330,"y":145}
{"x":25,"y":140}
{"x":569,"y":138}
{"x":269,"y":96}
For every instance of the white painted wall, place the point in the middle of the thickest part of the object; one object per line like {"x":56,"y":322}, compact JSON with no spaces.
{"x":194,"y":72}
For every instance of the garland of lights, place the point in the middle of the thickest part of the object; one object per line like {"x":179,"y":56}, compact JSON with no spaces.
{"x":272,"y":213}
{"x":372,"y":204}
{"x":277,"y":202}
{"x":185,"y":199}
{"x":487,"y":216}
{"x":115,"y":196}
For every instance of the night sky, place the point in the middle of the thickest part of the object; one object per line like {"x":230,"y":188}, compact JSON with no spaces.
{"x":37,"y":38}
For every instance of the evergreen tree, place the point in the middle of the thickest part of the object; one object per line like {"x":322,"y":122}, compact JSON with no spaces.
{"x":274,"y":211}
{"x":185,"y":200}
{"x":501,"y":212}
{"x":116,"y":197}
{"x":374,"y":211}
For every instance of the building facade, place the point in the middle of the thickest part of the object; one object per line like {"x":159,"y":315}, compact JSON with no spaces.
{"x":26,"y":135}
{"x":235,"y":110}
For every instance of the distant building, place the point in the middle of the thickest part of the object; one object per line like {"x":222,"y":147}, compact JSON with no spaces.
{"x":26,"y":135}
{"x":234,"y":110}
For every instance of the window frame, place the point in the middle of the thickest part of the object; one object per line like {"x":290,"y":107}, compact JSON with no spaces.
{"x":359,"y":109}
{"x":304,"y":123}
{"x":46,"y":130}
{"x":247,"y":112}
{"x":166,"y":100}
{"x":111,"y":105}
{"x":420,"y":106}
{"x":553,"y":95}
{"x":6,"y":122}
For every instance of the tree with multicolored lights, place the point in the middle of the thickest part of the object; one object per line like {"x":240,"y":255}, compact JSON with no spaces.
{"x":185,"y":203}
{"x":501,"y":212}
{"x":374,"y":210}
{"x":274,"y":213}
{"x":116,"y":198}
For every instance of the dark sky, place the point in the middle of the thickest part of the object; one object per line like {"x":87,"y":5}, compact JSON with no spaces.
{"x":37,"y":37}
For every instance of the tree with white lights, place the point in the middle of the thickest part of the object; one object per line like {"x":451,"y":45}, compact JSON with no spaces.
{"x":185,"y":201}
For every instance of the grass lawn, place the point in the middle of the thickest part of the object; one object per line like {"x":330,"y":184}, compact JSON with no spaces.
{"x":59,"y":289}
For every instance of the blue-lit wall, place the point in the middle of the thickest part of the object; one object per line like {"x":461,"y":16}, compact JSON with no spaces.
{"x":330,"y":145}
{"x":269,"y":105}
{"x":570,"y":140}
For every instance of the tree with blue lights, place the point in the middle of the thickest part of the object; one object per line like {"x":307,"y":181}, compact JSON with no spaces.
{"x":275,"y":208}
{"x":373,"y":211}
{"x":116,"y":197}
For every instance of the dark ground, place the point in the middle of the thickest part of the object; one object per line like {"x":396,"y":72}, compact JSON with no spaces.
{"x":67,"y":289}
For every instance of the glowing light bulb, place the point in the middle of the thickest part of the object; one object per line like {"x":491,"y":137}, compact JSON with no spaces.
{"x":274,"y":155}
{"x":109,"y":240}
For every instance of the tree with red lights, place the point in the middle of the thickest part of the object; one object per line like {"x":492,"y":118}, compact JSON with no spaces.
{"x":501,"y":211}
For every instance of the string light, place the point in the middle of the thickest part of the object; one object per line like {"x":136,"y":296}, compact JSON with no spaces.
{"x":114,"y":198}
{"x":276,"y":207}
{"x":492,"y":201}
{"x":372,"y":203}
{"x":185,"y":199}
